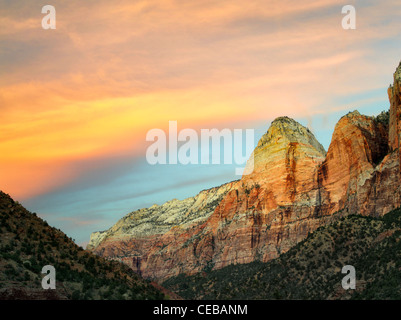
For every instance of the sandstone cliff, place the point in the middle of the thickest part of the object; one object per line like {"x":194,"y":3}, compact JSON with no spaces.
{"x":143,"y":232}
{"x":394,"y":94}
{"x":295,"y":188}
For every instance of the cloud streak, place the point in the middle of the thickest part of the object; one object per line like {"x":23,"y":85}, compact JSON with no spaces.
{"x":92,"y":88}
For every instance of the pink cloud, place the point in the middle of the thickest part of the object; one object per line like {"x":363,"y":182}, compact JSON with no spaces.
{"x":111,"y":72}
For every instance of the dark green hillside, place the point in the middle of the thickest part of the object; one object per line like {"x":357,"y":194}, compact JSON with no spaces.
{"x":312,"y":269}
{"x":28,"y":243}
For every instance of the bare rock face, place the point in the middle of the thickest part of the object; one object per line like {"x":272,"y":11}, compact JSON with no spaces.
{"x":285,"y":162}
{"x":146,"y":231}
{"x":394,"y":95}
{"x":259,"y":217}
{"x":268,"y":213}
{"x":358,"y":146}
{"x":295,"y":188}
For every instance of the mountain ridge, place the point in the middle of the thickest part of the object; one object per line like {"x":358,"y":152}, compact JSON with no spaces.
{"x":312,"y":269}
{"x":295,"y":188}
{"x":28,"y":244}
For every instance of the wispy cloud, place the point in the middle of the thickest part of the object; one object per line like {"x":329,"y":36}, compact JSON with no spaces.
{"x":111,"y":71}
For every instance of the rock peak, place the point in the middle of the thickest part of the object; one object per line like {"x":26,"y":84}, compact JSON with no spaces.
{"x":294,"y":189}
{"x":394,"y":95}
{"x":353,"y":113}
{"x":397,"y":74}
{"x":286,"y":130}
{"x":288,"y":124}
{"x":283,"y":119}
{"x":287,"y":121}
{"x":350,"y":116}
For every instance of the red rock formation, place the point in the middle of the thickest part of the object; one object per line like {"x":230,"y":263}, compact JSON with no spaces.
{"x":394,"y":94}
{"x":358,"y":146}
{"x":294,"y":188}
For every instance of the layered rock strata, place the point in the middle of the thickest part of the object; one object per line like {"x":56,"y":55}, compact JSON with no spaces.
{"x":295,"y":187}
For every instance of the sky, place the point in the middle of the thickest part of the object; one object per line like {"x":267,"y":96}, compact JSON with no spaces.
{"x":76,"y":102}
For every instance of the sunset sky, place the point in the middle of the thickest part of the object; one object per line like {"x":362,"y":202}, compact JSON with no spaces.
{"x":76,"y":102}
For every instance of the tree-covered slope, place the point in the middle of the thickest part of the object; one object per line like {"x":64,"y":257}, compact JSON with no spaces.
{"x":312,"y":269}
{"x":28,"y":243}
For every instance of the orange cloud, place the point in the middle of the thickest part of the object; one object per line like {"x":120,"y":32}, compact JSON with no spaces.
{"x":37,"y":148}
{"x":109,"y":73}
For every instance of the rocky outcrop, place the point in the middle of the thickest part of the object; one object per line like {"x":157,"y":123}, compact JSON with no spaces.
{"x":269,"y":212}
{"x":143,"y":232}
{"x":394,"y":95}
{"x":295,"y":187}
{"x":358,"y":145}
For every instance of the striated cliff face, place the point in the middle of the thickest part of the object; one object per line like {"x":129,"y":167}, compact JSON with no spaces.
{"x":149,"y":231}
{"x":394,"y":94}
{"x":269,"y":212}
{"x":295,"y":188}
{"x":347,"y":175}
